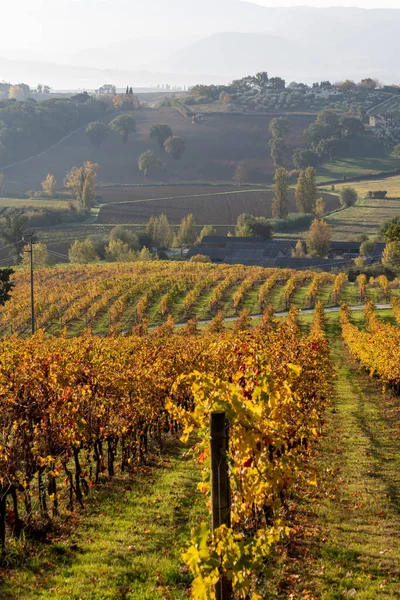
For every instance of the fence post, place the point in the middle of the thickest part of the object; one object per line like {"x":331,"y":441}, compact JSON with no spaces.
{"x":220,"y":489}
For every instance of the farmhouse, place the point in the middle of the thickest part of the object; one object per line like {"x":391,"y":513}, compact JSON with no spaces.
{"x":274,"y":253}
{"x":383,"y":122}
{"x":241,"y":250}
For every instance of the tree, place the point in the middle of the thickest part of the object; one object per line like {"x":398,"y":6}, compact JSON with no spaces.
{"x":175,"y":146}
{"x":49,"y":185}
{"x":318,"y":238}
{"x":346,"y":86}
{"x":160,"y":132}
{"x":330,"y":147}
{"x":320,"y":208}
{"x":19,"y":92}
{"x":303,"y":158}
{"x":391,"y":255}
{"x":311,"y":189}
{"x":125,"y":102}
{"x":241,"y":175}
{"x":148,"y":161}
{"x":278,"y":149}
{"x":186,"y":235}
{"x":280,"y":202}
{"x":301,"y":193}
{"x":243,"y":228}
{"x":367,"y":247}
{"x":82,"y":252}
{"x":277,"y":84}
{"x":41,"y":256}
{"x":279,"y":127}
{"x":13,"y":227}
{"x":97,"y":132}
{"x":119,"y":251}
{"x":82,"y":181}
{"x":299,"y":251}
{"x":350,"y":126}
{"x":250,"y":226}
{"x":329,"y":118}
{"x":145,"y":255}
{"x":107,"y":88}
{"x":368,"y":83}
{"x":124,"y":125}
{"x":160,"y":231}
{"x":125,"y":235}
{"x":6,"y":285}
{"x":205,"y":232}
{"x":392,"y":233}
{"x":396,"y":151}
{"x":260,"y":81}
{"x":348,"y":196}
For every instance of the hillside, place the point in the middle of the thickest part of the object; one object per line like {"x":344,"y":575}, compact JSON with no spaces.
{"x":213,"y":149}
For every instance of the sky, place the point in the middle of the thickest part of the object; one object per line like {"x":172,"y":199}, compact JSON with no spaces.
{"x":327,"y":3}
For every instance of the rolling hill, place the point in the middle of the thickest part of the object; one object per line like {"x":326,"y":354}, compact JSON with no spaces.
{"x":212,"y":151}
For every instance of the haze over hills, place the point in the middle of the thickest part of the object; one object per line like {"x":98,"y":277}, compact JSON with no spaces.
{"x":184,"y":42}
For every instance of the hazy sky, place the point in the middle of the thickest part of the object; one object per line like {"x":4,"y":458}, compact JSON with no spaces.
{"x":326,"y":3}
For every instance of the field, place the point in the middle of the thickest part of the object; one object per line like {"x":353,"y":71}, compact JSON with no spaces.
{"x":118,"y":297}
{"x":390,"y":184}
{"x":366,"y":155}
{"x":366,"y":217}
{"x":207,"y":207}
{"x":33,"y":203}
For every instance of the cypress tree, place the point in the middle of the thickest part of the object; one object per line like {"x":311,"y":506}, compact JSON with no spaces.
{"x":280,"y":202}
{"x":301,"y":193}
{"x":311,"y":189}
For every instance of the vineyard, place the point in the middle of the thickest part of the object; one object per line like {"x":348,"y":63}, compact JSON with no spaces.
{"x":115,"y":298}
{"x":75,"y":410}
{"x":81,"y":412}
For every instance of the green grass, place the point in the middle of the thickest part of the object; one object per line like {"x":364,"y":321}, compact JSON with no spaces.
{"x":127,"y":544}
{"x":366,"y":217}
{"x":366,"y":155}
{"x":346,"y":542}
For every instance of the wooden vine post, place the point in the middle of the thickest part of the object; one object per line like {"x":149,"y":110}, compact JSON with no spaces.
{"x":220,"y":488}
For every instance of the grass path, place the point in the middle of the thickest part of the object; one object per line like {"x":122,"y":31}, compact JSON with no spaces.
{"x":128,"y":543}
{"x":347,"y":542}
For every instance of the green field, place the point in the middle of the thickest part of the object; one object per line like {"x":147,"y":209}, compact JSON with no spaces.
{"x":366,"y":217}
{"x":366,"y":155}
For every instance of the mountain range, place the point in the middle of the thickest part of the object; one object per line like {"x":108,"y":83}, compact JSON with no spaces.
{"x":186,"y":41}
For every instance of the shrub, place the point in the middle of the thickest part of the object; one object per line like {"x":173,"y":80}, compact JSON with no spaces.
{"x":200,"y":258}
{"x":377,"y":194}
{"x":293,"y":222}
{"x":348,"y":196}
